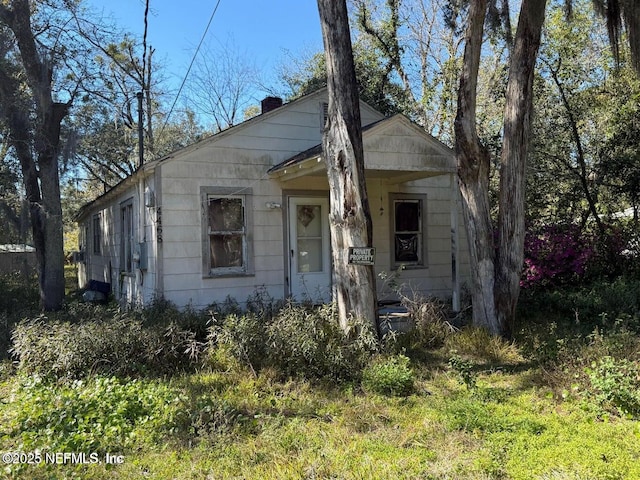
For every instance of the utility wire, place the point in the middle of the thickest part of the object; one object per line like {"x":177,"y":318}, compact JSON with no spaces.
{"x":193,"y":59}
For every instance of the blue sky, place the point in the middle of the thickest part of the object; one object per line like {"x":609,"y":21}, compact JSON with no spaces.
{"x":268,"y":32}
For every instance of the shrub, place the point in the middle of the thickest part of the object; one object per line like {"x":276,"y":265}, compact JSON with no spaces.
{"x":263,"y":304}
{"x":18,"y":292}
{"x":119,"y":344}
{"x":464,"y":368}
{"x":556,"y":255}
{"x":617,"y":385}
{"x":603,"y":303}
{"x":308,"y":342}
{"x":389,"y":376}
{"x":186,"y":327}
{"x":297,"y":341}
{"x":243,"y":335}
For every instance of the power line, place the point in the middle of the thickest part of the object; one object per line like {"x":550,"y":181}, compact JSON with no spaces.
{"x":193,"y":59}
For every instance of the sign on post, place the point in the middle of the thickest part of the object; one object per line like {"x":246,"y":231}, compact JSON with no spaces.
{"x":362,"y":255}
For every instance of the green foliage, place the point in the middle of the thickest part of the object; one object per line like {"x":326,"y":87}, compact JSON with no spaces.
{"x":95,"y":415}
{"x":617,"y":385}
{"x":17,"y":292}
{"x":298,"y":341}
{"x":375,"y":85}
{"x":479,"y":345}
{"x":211,"y":417}
{"x":586,"y":123}
{"x":310,"y":343}
{"x":504,"y":421}
{"x":115,"y":342}
{"x":389,"y":376}
{"x":18,"y":296}
{"x":244,"y":336}
{"x":601,"y":303}
{"x":464,"y":369}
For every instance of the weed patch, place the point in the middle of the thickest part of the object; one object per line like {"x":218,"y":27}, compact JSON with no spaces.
{"x":616,"y":386}
{"x":298,"y":341}
{"x":114,"y":342}
{"x":389,"y":376}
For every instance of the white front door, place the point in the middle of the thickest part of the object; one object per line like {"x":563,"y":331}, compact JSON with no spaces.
{"x":309,"y":249}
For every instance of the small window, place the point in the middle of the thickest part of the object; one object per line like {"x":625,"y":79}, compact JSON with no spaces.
{"x":126,"y":236}
{"x":408,"y":232}
{"x":227,"y":247}
{"x":96,"y":225}
{"x":226,"y":233}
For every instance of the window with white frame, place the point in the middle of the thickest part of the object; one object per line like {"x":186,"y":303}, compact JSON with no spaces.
{"x":126,"y":236}
{"x":96,"y":225}
{"x":408,"y":244}
{"x":226,"y":220}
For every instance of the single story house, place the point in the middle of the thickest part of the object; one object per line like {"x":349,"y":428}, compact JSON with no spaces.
{"x":247,"y":209}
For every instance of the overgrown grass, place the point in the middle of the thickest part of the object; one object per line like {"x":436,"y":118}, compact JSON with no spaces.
{"x":559,"y":402}
{"x":233,"y":425}
{"x":20,"y":297}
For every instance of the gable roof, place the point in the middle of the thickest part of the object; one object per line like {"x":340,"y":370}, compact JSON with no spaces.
{"x":148,"y":167}
{"x":431,"y":156}
{"x":412,"y":130}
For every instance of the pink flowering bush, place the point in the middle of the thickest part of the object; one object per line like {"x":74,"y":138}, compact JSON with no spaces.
{"x":564,"y":254}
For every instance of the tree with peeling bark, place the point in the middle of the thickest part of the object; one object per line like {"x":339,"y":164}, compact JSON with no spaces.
{"x":354,"y":286}
{"x":496,"y":263}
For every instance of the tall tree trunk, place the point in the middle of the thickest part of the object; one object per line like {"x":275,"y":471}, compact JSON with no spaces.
{"x":496,"y":277}
{"x":52,"y":259}
{"x":473,"y":176}
{"x":513,"y":160}
{"x":496,"y":272}
{"x":36,"y":139}
{"x":354,"y":286}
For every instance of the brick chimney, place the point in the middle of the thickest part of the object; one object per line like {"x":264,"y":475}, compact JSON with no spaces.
{"x":271,"y":103}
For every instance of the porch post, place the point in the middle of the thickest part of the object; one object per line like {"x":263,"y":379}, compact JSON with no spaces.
{"x":455,"y":277}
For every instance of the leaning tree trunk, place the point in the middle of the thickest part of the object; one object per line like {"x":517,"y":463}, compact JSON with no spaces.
{"x":354,"y":286}
{"x":473,"y":176}
{"x":513,"y":160}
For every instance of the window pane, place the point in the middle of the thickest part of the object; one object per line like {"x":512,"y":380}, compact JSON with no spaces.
{"x":407,"y":215}
{"x":226,"y":251}
{"x":309,"y":220}
{"x":309,"y":255}
{"x":225,"y":214}
{"x":406,"y":248}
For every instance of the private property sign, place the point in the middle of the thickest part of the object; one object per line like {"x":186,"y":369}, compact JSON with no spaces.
{"x":362,"y":255}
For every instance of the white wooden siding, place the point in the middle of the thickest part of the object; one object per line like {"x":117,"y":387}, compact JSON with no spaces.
{"x":239,"y":159}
